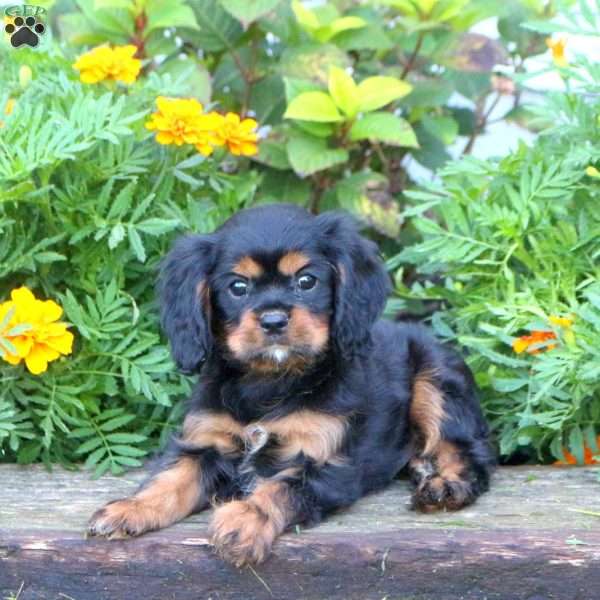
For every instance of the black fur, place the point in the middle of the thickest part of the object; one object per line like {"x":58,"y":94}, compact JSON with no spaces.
{"x":366,"y":373}
{"x":183,"y":318}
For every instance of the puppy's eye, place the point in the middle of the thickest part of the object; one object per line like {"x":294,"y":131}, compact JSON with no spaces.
{"x":307,"y":282}
{"x":238,"y":288}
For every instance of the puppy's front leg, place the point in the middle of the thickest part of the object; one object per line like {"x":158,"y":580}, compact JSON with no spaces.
{"x":186,"y":480}
{"x":243,"y":531}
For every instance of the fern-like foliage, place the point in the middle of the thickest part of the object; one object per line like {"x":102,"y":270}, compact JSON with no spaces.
{"x":89,"y":203}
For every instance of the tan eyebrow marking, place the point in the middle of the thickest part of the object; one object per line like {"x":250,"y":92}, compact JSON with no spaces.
{"x":248,"y":267}
{"x":291,"y":262}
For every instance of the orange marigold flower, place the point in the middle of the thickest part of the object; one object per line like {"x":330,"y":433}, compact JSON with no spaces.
{"x":104,"y":62}
{"x":30,"y":326}
{"x":557,"y":48}
{"x":531,"y":343}
{"x":588,"y":456}
{"x":239,"y":135}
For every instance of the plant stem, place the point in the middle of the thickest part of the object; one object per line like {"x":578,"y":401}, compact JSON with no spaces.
{"x":411,"y":61}
{"x":480,"y":124}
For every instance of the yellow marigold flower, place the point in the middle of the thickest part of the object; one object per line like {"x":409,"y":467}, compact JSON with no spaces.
{"x":239,"y":136}
{"x":104,"y":62}
{"x":180,"y":121}
{"x":561,"y":321}
{"x":558,"y":51}
{"x":44,"y":340}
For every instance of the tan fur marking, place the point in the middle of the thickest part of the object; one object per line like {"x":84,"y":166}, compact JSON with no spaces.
{"x":170,"y":496}
{"x":427,"y":411}
{"x":243,"y":531}
{"x":248,"y":267}
{"x":246,"y":336}
{"x":317,"y":435}
{"x":308,"y":329}
{"x":290,"y":263}
{"x":212,"y":429}
{"x":449,"y":462}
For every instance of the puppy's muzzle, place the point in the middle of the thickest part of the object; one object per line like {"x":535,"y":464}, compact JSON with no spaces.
{"x":274,"y":321}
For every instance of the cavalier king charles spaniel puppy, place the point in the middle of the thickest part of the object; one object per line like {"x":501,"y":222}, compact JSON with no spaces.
{"x":306,"y":400}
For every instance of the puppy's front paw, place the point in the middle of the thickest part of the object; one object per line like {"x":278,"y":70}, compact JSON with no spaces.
{"x":437,"y":493}
{"x":118,"y":519}
{"x":242,"y":533}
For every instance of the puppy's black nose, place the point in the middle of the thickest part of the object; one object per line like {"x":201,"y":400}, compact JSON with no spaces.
{"x":274,"y":321}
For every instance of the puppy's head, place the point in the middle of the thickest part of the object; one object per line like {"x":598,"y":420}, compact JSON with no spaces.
{"x":274,"y":289}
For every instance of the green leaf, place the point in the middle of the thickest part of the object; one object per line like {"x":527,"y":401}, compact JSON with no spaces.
{"x":307,"y":18}
{"x":375,"y":92}
{"x":343,"y":90}
{"x":135,"y":241}
{"x":313,"y":106}
{"x":576,"y":444}
{"x":174,"y":13}
{"x":90,"y":445}
{"x":117,"y":235}
{"x":308,"y":155}
{"x":116,"y":422}
{"x":346,"y":23}
{"x":312,"y":62}
{"x":384,"y":127}
{"x":218,"y":29}
{"x":247,"y":11}
{"x":157,"y":226}
{"x":444,"y":128}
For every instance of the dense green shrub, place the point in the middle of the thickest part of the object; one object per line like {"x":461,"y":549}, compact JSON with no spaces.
{"x":506,"y":246}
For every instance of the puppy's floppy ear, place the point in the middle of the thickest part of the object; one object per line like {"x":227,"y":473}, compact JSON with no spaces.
{"x":361,"y":286}
{"x":184,"y":300}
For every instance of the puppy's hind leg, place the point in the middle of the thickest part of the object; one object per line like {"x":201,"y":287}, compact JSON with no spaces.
{"x":453,"y":458}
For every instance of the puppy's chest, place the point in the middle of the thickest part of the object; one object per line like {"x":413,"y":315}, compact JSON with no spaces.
{"x":269,"y":445}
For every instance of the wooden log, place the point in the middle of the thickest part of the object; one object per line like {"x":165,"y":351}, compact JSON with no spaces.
{"x":533,"y":537}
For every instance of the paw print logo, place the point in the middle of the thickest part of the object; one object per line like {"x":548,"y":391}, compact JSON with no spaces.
{"x":25,"y":31}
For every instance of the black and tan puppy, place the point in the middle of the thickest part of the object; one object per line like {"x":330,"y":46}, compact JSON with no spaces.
{"x":306,"y":401}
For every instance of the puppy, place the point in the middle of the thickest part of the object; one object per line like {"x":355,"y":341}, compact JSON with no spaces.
{"x":305,"y":401}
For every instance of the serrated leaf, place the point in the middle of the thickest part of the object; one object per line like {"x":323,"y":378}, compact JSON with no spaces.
{"x":90,"y":445}
{"x":384,"y":127}
{"x":136,"y":244}
{"x":117,"y":235}
{"x":125,"y":438}
{"x":375,"y":92}
{"x":157,"y":226}
{"x":116,"y":422}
